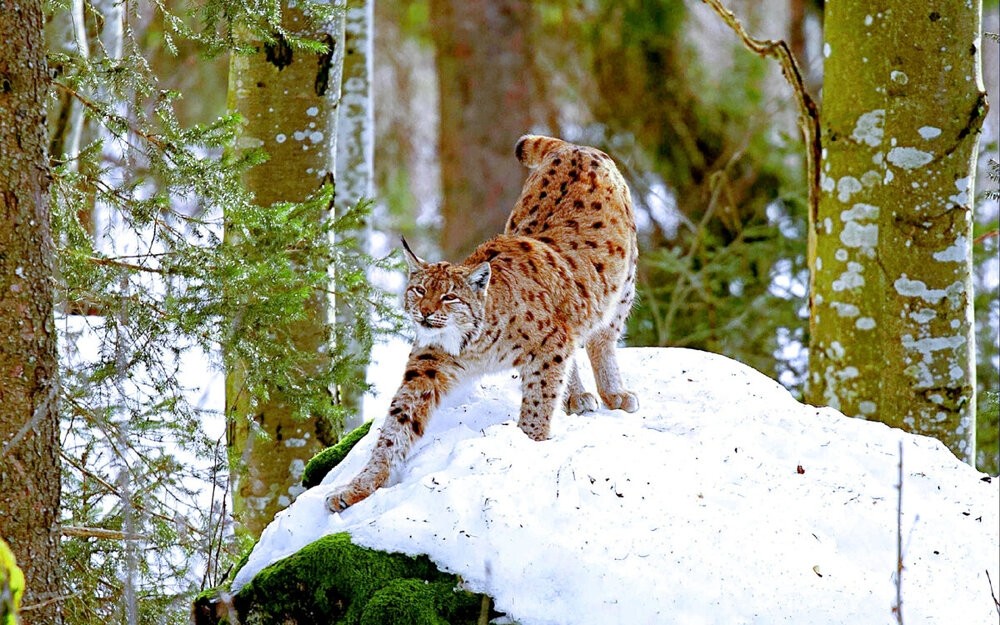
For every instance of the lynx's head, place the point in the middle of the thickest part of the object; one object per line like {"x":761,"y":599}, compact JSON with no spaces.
{"x":446,"y":302}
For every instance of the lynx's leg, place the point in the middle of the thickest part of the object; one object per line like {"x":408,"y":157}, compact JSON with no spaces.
{"x":577,"y":400}
{"x":601,"y":349}
{"x":430,"y":374}
{"x":542,"y":382}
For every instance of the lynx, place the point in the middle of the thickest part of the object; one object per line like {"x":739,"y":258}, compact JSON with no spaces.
{"x":561,"y":275}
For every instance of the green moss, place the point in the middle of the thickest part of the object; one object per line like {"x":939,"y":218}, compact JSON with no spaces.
{"x":418,"y":602}
{"x":335,"y":581}
{"x":321,"y":463}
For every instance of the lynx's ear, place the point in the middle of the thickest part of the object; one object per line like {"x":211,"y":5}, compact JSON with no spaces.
{"x":479,"y":279}
{"x":415,"y":262}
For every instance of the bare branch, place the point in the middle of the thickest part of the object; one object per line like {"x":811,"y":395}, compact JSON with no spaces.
{"x":808,"y":110}
{"x":99,"y":532}
{"x":110,"y":262}
{"x":897,"y":609}
{"x":993,"y":593}
{"x":986,"y":235}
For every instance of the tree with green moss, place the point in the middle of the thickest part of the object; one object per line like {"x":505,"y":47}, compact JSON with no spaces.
{"x":892,"y":334}
{"x":29,"y":372}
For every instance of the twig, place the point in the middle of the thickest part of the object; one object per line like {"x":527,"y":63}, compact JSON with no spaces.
{"x":46,"y":602}
{"x":986,"y":235}
{"x":110,"y":262}
{"x":99,"y":532}
{"x":898,"y":608}
{"x":808,"y":110}
{"x":996,"y":602}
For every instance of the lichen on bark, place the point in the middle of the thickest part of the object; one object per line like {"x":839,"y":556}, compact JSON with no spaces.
{"x":892,"y":337}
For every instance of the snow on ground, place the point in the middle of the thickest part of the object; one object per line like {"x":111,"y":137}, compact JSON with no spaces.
{"x":723,"y":500}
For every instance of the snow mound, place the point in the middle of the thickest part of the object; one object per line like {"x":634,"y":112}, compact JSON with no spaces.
{"x":723,"y":500}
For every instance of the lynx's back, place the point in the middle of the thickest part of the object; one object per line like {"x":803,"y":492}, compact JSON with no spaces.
{"x":576,"y":201}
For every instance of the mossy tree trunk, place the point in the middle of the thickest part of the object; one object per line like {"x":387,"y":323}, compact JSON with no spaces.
{"x":892,"y":335}
{"x":484,"y":89}
{"x":288,"y":99}
{"x":29,"y":388}
{"x":356,"y":157}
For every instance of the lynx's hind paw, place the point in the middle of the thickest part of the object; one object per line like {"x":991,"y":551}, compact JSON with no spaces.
{"x":626,"y":400}
{"x":580,"y":403}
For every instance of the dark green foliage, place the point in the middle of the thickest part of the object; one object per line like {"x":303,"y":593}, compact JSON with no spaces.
{"x":334,"y":581}
{"x":321,"y":464}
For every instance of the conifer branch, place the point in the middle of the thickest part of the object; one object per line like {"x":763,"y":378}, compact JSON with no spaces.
{"x":110,"y":262}
{"x":105,"y":114}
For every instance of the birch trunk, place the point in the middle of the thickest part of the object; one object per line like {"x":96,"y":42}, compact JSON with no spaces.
{"x":288,"y":100}
{"x":29,"y":391}
{"x":356,"y":154}
{"x":892,"y":336}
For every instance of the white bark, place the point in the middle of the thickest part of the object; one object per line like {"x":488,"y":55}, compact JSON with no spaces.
{"x":356,"y":142}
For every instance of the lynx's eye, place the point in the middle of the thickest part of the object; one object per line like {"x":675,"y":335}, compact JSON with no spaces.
{"x":449,"y":297}
{"x":419,"y":290}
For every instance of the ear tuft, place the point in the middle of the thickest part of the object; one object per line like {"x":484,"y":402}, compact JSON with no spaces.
{"x":479,"y":279}
{"x":415,"y":262}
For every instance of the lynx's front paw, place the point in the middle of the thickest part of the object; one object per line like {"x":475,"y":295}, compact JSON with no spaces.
{"x":578,"y":403}
{"x":340,"y":501}
{"x":626,"y":400}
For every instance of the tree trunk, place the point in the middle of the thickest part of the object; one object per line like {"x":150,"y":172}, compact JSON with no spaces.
{"x":29,"y":390}
{"x":356,"y":157}
{"x":288,"y":99}
{"x":484,"y":89}
{"x":892,"y":335}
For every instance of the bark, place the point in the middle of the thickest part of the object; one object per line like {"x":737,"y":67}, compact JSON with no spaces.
{"x":892,"y":336}
{"x":484,"y":82}
{"x":356,"y":155}
{"x":29,"y":411}
{"x":288,"y":99}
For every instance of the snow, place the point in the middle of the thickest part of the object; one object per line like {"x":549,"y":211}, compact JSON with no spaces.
{"x":722,"y":500}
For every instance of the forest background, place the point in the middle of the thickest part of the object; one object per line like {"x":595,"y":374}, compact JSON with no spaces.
{"x":173,"y":264}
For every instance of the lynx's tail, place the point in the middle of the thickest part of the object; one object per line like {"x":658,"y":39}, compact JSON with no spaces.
{"x":532,"y":149}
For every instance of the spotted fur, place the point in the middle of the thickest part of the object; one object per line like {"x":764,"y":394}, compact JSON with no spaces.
{"x":561,"y":275}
